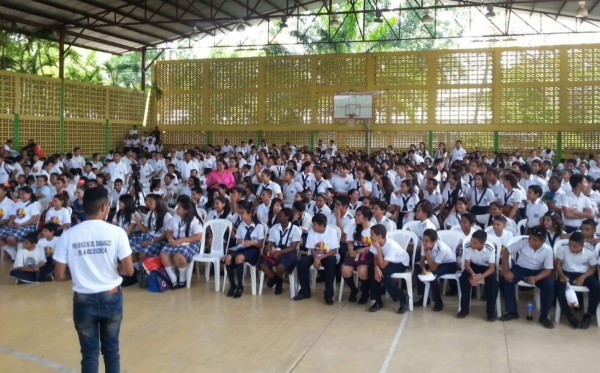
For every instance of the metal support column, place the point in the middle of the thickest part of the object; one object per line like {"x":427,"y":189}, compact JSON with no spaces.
{"x":144,"y":69}
{"x":16,"y":144}
{"x":61,"y":76}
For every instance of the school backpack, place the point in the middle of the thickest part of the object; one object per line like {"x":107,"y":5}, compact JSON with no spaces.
{"x":158,"y":281}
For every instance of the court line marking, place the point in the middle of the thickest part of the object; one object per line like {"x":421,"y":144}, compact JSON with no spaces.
{"x":392,"y":350}
{"x":36,"y":359}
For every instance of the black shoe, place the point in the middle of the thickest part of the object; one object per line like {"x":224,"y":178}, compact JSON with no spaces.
{"x":402,"y":308}
{"x":279,"y":286}
{"x":301,"y":296}
{"x":492,"y":317}
{"x":364,"y":299}
{"x":585,"y":321}
{"x":231,"y":291}
{"x":438,"y":306}
{"x":329,"y":302}
{"x":419,"y":303}
{"x":546,"y":323}
{"x":272,"y":281}
{"x":238,"y":292}
{"x":179,"y":285}
{"x":509,"y":316}
{"x":461,"y":315}
{"x":376,"y":307}
{"x":352,"y":297}
{"x":572,"y":320}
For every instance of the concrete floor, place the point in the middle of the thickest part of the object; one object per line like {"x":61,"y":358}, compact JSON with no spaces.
{"x":198,"y":330}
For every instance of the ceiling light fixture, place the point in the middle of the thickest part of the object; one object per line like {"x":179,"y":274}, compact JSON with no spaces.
{"x":378,"y":16}
{"x":490,"y":13}
{"x":582,"y":11}
{"x":240,"y":27}
{"x":333,"y":22}
{"x":283,"y":23}
{"x":427,"y":20}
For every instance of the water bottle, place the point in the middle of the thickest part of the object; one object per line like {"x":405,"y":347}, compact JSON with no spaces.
{"x":529,"y":311}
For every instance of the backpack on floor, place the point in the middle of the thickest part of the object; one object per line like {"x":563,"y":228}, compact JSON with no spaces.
{"x":158,"y":281}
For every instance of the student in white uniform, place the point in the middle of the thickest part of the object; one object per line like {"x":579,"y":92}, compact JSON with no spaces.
{"x":282,"y":250}
{"x":576,"y":263}
{"x":322,"y":244}
{"x":379,"y":211}
{"x":534,"y":265}
{"x":58,"y":213}
{"x":480,"y":199}
{"x":358,"y":257}
{"x":480,"y":264}
{"x":405,"y":202}
{"x":249,"y":241}
{"x":441,"y":260}
{"x":575,"y":206}
{"x":511,"y":197}
{"x":153,"y":227}
{"x":362,"y":185}
{"x":535,"y":208}
{"x":306,"y":177}
{"x":23,"y":220}
{"x":97,"y":254}
{"x":290,"y":187}
{"x":390,"y":258}
{"x":183,"y":241}
{"x":319,"y":184}
{"x":30,"y":263}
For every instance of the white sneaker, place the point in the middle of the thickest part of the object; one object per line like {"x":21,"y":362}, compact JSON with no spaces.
{"x":11,"y":251}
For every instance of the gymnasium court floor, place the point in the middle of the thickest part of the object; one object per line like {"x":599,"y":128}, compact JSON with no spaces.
{"x":197,"y":330}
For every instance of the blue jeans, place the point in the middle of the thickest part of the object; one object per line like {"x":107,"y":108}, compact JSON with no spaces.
{"x":98,"y":321}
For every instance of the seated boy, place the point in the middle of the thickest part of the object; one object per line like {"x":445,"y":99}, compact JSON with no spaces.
{"x":322,"y":244}
{"x":499,"y":230}
{"x":390,"y":258}
{"x":441,"y":260}
{"x":29,"y":266}
{"x":535,"y":208}
{"x":480,"y":264}
{"x":534,"y":265}
{"x":48,"y":244}
{"x":576,"y":264}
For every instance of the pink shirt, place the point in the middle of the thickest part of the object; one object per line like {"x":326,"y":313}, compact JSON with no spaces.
{"x":215,"y":179}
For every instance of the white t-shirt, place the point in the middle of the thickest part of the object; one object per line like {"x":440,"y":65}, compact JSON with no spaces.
{"x":26,"y":210}
{"x":578,"y":203}
{"x":457,"y":154}
{"x":26,"y":258}
{"x":289,"y":191}
{"x":7,"y":208}
{"x":91,"y":250}
{"x":342,"y":184}
{"x":48,"y":246}
{"x":283,"y":238}
{"x":59,"y":217}
{"x":262,"y":213}
{"x":365,"y":236}
{"x":178,"y":227}
{"x":322,"y":242}
{"x":117,"y":171}
{"x":534,"y":212}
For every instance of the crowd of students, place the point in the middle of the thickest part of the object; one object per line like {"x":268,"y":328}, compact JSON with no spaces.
{"x":293,"y":209}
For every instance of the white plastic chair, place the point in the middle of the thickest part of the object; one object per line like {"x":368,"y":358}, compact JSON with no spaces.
{"x":577,"y":289}
{"x":202,"y":213}
{"x":221,"y":233}
{"x":247,"y":266}
{"x":404,"y":239}
{"x":313,"y":271}
{"x":536,"y":291}
{"x":293,"y":279}
{"x":410,"y":226}
{"x":452,"y":239}
{"x":521,"y":226}
{"x":497,"y":246}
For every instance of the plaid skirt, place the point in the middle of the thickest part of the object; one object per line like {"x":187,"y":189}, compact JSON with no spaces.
{"x":18,"y":232}
{"x":150,"y":250}
{"x":187,"y":250}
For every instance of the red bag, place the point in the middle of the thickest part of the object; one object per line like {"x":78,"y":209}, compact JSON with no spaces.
{"x":269,"y":259}
{"x":152,"y":264}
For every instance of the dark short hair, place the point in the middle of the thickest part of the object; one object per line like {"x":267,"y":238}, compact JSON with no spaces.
{"x":31,"y":237}
{"x":480,"y":235}
{"x":320,"y":219}
{"x":51,"y":227}
{"x":93,"y":199}
{"x":379,"y":229}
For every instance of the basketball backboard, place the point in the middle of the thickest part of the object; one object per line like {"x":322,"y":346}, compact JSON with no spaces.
{"x":353,"y":106}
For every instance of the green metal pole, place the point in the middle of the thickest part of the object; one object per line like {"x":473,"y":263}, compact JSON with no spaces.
{"x":16,"y":132}
{"x":496,"y":141}
{"x":62,"y":115}
{"x":208,"y":137}
{"x":258,"y":138}
{"x":312,"y":141}
{"x":107,"y":135}
{"x":558,"y":147}
{"x":430,"y":141}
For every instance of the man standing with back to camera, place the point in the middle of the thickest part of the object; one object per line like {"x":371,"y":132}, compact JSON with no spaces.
{"x":95,"y":253}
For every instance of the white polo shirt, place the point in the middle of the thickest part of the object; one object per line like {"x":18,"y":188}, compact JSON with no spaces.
{"x":483,"y":257}
{"x":306,"y":180}
{"x":434,"y":198}
{"x":289,"y":192}
{"x":534,"y":212}
{"x":394,"y":253}
{"x":91,"y":250}
{"x":406,"y":203}
{"x":481,"y":197}
{"x":386,"y":222}
{"x":178,"y":227}
{"x":283,"y":238}
{"x":528,"y":258}
{"x":441,"y":253}
{"x":319,"y":186}
{"x":577,"y":203}
{"x":275,"y":188}
{"x":577,"y":263}
{"x":507,"y":198}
